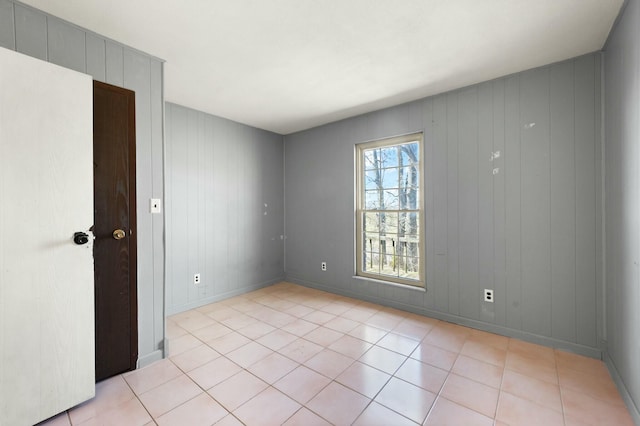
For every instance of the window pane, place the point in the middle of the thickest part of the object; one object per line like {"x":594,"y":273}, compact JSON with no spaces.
{"x":371,"y":242}
{"x":371,"y":159}
{"x":410,"y":268}
{"x":391,"y":201}
{"x":389,"y":156}
{"x":373,"y":200}
{"x":410,"y":153}
{"x":389,"y":178}
{"x":371,"y":263}
{"x":409,"y":223}
{"x":372,"y":179}
{"x":371,"y":222}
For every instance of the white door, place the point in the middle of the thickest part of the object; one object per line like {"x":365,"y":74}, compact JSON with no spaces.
{"x":46,"y":280}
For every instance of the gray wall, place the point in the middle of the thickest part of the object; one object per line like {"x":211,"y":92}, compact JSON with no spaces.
{"x":42,"y":36}
{"x":532,"y":232}
{"x":224,"y":189}
{"x":622,"y":200}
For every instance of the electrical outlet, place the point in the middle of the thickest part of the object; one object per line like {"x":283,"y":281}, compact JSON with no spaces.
{"x":196,"y":279}
{"x":155,"y":205}
{"x":323,"y":266}
{"x":488,"y":295}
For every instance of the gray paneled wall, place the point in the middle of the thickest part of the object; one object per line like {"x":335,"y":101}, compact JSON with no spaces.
{"x":37,"y":34}
{"x":224,"y":186}
{"x":531,"y":231}
{"x":622,"y":198}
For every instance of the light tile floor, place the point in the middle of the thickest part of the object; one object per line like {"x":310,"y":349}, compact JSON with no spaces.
{"x":291,"y":355}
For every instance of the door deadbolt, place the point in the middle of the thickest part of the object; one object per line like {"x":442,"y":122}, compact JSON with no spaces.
{"x":80,"y":238}
{"x":118,"y":234}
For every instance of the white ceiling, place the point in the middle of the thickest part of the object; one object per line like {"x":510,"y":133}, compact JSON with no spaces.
{"x":288,"y":65}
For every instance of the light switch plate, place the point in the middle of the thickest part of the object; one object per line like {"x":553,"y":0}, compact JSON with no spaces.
{"x":155,"y":205}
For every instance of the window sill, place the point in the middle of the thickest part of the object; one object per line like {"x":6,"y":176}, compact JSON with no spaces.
{"x":390,"y":283}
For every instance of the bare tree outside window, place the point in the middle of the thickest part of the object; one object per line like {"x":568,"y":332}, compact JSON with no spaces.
{"x":389,"y":210}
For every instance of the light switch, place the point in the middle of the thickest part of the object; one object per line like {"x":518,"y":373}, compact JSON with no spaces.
{"x":155,"y":205}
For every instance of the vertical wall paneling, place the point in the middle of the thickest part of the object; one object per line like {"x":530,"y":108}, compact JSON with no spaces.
{"x":216,"y":174}
{"x":563,"y":202}
{"x":96,"y":57}
{"x":507,"y":222}
{"x":114,"y":70}
{"x":586,"y":255}
{"x":536,"y":267}
{"x":485,"y":166}
{"x":512,"y":169}
{"x":7,"y":29}
{"x":157,"y":191}
{"x":49,"y":38}
{"x":66,"y":46}
{"x":439,"y":175}
{"x":453,"y":258}
{"x":31,"y":32}
{"x":427,"y":123}
{"x":468,"y":203}
{"x":622,"y":193}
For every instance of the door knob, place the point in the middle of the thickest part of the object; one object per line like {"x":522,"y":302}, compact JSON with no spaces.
{"x":80,"y":238}
{"x":119,"y":234}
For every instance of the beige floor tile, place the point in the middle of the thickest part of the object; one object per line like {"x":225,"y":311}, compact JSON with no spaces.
{"x":300,"y":350}
{"x":273,"y":367}
{"x":379,"y":415}
{"x":329,"y":363}
{"x":473,"y":395}
{"x":61,"y":419}
{"x":302,"y":384}
{"x":166,"y":397}
{"x":435,"y":356}
{"x":537,"y":391}
{"x":383,"y":359}
{"x":277,"y":339}
{"x":249,"y":354}
{"x":195,"y":357}
{"x":323,"y":336}
{"x":269,"y":407}
{"x":229,"y":420}
{"x":109,"y":393}
{"x":299,"y":327}
{"x":212,"y":331}
{"x":448,"y":413}
{"x":593,"y":411}
{"x":363,"y":379}
{"x":514,"y":410}
{"x":485,"y":353}
{"x":319,"y":317}
{"x":350,"y":346}
{"x":595,"y":385}
{"x":182,"y":344}
{"x":305,"y":417}
{"x":341,"y":324}
{"x":237,"y":389}
{"x":152,"y":376}
{"x":199,"y":411}
{"x":338,"y":404}
{"x":423,"y":375}
{"x":397,"y":343}
{"x":354,"y":351}
{"x":130,"y":413}
{"x":409,"y":400}
{"x":538,"y":368}
{"x":214,"y":372}
{"x":256,"y":330}
{"x":446,"y":337}
{"x":480,"y":371}
{"x":228,"y":342}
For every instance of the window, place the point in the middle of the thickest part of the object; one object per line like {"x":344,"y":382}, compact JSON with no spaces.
{"x":389,"y":213}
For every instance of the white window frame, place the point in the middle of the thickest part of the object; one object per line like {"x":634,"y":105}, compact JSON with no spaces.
{"x":360,"y":209}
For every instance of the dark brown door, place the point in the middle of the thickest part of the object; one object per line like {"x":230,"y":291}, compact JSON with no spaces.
{"x":115,"y":229}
